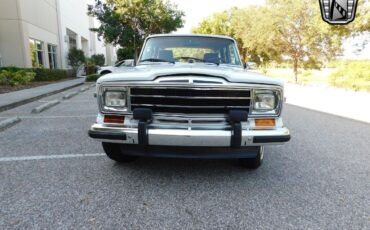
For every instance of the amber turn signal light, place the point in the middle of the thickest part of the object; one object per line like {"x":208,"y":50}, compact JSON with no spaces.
{"x":265,"y":122}
{"x":114,"y":119}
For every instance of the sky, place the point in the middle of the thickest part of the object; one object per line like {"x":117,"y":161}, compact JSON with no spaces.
{"x":196,"y":10}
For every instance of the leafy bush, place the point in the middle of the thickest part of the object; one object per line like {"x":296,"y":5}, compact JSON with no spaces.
{"x":76,"y":58}
{"x":306,"y":73}
{"x":93,"y":77}
{"x":41,"y":74}
{"x":98,"y":59}
{"x":22,"y":77}
{"x":13,"y":68}
{"x":352,"y":75}
{"x":13,"y":78}
{"x":335,"y":63}
{"x":90,"y":69}
{"x":70,"y":73}
{"x":50,"y":74}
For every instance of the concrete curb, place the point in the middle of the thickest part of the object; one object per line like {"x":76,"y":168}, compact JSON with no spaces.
{"x":35,"y":98}
{"x":83,"y":89}
{"x":7,"y":123}
{"x":70,"y":95}
{"x":45,"y":106}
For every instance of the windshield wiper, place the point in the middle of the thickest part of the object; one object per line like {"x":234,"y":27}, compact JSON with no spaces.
{"x":215,"y":63}
{"x":157,"y":60}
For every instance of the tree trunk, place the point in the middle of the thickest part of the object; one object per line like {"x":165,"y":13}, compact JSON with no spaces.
{"x":244,"y":54}
{"x":295,"y":69}
{"x":135,"y":52}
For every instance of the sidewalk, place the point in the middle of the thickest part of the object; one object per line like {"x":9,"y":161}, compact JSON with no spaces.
{"x":344,"y":103}
{"x":17,"y":98}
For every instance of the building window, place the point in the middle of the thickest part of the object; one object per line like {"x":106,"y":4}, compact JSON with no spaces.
{"x":37,"y":53}
{"x":52,"y":54}
{"x":72,"y":43}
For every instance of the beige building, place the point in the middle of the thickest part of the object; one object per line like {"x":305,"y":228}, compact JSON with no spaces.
{"x":40,"y":32}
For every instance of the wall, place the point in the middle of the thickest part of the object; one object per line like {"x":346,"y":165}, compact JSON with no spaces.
{"x":21,"y":20}
{"x":11,"y":49}
{"x":73,"y":16}
{"x":47,"y":21}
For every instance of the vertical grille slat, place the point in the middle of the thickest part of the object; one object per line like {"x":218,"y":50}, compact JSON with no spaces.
{"x":190,"y":101}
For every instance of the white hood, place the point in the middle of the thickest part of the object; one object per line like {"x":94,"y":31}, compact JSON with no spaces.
{"x":151,"y":72}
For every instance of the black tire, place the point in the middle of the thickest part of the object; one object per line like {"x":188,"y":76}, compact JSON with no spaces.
{"x":253,"y":163}
{"x":105,"y":72}
{"x":114,"y":152}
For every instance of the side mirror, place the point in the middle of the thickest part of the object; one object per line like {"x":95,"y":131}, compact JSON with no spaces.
{"x":245,"y":65}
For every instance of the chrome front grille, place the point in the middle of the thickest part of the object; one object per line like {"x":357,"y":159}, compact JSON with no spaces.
{"x":190,"y":100}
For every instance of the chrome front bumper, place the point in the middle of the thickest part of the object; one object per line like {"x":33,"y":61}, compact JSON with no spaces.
{"x":188,"y":138}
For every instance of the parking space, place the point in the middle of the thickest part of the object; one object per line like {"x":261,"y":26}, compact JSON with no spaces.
{"x":54,"y":176}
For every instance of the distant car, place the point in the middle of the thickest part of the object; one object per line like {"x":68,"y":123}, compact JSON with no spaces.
{"x":112,"y":69}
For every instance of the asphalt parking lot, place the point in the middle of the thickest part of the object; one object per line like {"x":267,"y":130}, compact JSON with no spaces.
{"x":53,"y":176}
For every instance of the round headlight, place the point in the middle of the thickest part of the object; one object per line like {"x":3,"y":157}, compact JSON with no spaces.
{"x":264,"y":101}
{"x":115,"y":99}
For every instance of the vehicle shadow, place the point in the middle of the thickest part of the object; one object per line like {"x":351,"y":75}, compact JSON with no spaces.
{"x":185,"y":168}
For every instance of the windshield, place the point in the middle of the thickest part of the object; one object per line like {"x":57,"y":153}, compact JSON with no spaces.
{"x":190,"y":49}
{"x":118,"y":64}
{"x":124,"y":63}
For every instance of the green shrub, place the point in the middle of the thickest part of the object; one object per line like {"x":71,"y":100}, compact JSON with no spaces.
{"x":335,"y":63}
{"x":23,"y":77}
{"x":306,"y":73}
{"x":13,"y":78}
{"x":352,"y":75}
{"x":76,"y":58}
{"x":90,"y":69}
{"x":4,"y":77}
{"x":12,"y":68}
{"x":70,"y":73}
{"x":41,"y":74}
{"x":50,"y":74}
{"x":93,"y":77}
{"x":98,"y":59}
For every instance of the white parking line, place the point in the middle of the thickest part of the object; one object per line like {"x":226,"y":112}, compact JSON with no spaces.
{"x":51,"y":117}
{"x":72,"y":100}
{"x":49,"y":157}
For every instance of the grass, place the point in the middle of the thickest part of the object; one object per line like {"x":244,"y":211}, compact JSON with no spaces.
{"x":348,"y":74}
{"x":307,"y":77}
{"x":92,"y":77}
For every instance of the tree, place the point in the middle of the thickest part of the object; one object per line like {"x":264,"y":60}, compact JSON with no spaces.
{"x":247,"y":22}
{"x":98,"y":59}
{"x":76,"y":58}
{"x":125,"y":53}
{"x":362,"y":21}
{"x":285,"y":30}
{"x":128,"y":22}
{"x":299,"y":34}
{"x":223,"y":23}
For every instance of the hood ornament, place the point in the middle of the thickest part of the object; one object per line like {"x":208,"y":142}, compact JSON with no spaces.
{"x":338,"y":12}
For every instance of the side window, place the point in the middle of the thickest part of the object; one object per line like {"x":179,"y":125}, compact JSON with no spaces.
{"x":223,"y":55}
{"x":233,"y":55}
{"x":37,"y":52}
{"x":52,"y":54}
